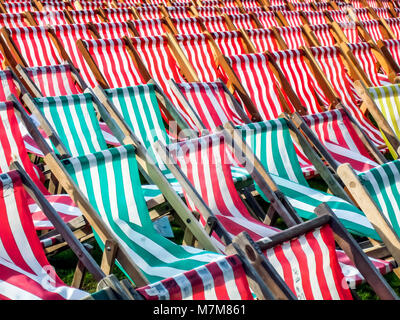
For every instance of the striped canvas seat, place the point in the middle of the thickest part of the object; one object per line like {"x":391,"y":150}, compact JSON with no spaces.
{"x":253,"y":9}
{"x":373,"y":3}
{"x":350,"y":31}
{"x":13,"y":149}
{"x":357,"y":4}
{"x":394,"y":48}
{"x":8,"y":85}
{"x":373,"y":28}
{"x":215,"y":23}
{"x":229,"y":42}
{"x":302,"y":80}
{"x":230,"y":10}
{"x":293,"y":37}
{"x":51,"y":5}
{"x":208,"y":11}
{"x":92,"y":5}
{"x":68,"y":35}
{"x":332,"y":65}
{"x":277,"y":8}
{"x":315,"y":17}
{"x":267,"y":19}
{"x":49,"y":18}
{"x":383,"y":13}
{"x":293,"y":18}
{"x":251,"y":3}
{"x":150,"y":27}
{"x":25,"y":272}
{"x":323,"y":34}
{"x":149,"y":12}
{"x":85,"y":16}
{"x":243,"y":21}
{"x":13,"y":20}
{"x":394,"y":24}
{"x":322,"y":6}
{"x":118,"y":14}
{"x":112,"y":30}
{"x":179,"y":12}
{"x":362,"y":14}
{"x":301,"y":6}
{"x":187,"y":25}
{"x":339,"y":16}
{"x":263,"y":39}
{"x":18,"y":7}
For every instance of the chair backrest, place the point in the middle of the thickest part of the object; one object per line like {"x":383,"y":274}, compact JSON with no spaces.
{"x":301,"y":6}
{"x":293,"y":37}
{"x":18,"y":7}
{"x":13,"y":20}
{"x":51,"y":5}
{"x":85,"y":136}
{"x":189,"y":25}
{"x":208,"y":11}
{"x":293,"y":18}
{"x":383,"y":13}
{"x":373,"y":28}
{"x":267,"y":19}
{"x":26,"y":272}
{"x":373,"y":3}
{"x":350,"y":31}
{"x":85,"y":16}
{"x":362,"y":14}
{"x":323,"y":34}
{"x":68,"y":35}
{"x":112,"y":30}
{"x":215,"y":23}
{"x":8,"y":85}
{"x":92,"y":5}
{"x":49,"y":18}
{"x":250,"y":3}
{"x":394,"y":48}
{"x":315,"y":17}
{"x":394,"y":24}
{"x":230,"y":10}
{"x":263,"y":39}
{"x":230,"y":42}
{"x":178,"y":12}
{"x":338,"y":16}
{"x":118,"y":14}
{"x":149,"y":12}
{"x":243,"y":21}
{"x":150,"y":27}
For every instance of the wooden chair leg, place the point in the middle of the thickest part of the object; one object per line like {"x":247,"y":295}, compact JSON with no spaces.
{"x":109,"y":254}
{"x":80,"y":270}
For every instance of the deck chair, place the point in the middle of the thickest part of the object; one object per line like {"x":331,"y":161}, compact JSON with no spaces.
{"x":149,"y":12}
{"x":118,"y":14}
{"x":264,"y":40}
{"x":17,"y":7}
{"x":13,"y":20}
{"x":113,"y":30}
{"x":394,"y":25}
{"x":375,"y":30}
{"x":324,"y":34}
{"x":40,"y":18}
{"x":231,"y":10}
{"x":338,"y":16}
{"x":209,"y":11}
{"x":348,"y":31}
{"x":232,"y":42}
{"x":180,"y":12}
{"x":85,"y":16}
{"x":315,"y":17}
{"x":253,"y":9}
{"x":300,"y":6}
{"x":252,"y":3}
{"x":290,"y":18}
{"x":383,"y":13}
{"x":90,"y":5}
{"x":216,"y":23}
{"x":267,"y":19}
{"x":361,"y":14}
{"x":245,"y":21}
{"x":51,"y":5}
{"x":152,"y":27}
{"x":294,"y":37}
{"x":190,"y":25}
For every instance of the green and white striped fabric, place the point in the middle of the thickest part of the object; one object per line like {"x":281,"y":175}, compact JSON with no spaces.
{"x":387,"y":98}
{"x":383,"y":184}
{"x":272,"y":144}
{"x":74,"y":119}
{"x":110,"y":180}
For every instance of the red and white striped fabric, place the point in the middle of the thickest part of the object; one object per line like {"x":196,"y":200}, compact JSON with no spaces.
{"x":49,"y":18}
{"x":229,"y":42}
{"x":18,"y":7}
{"x":150,"y":27}
{"x":209,"y":3}
{"x":302,"y":6}
{"x":68,"y":35}
{"x":263,"y":39}
{"x":114,"y":61}
{"x":243,"y":21}
{"x":309,"y":266}
{"x":351,"y":32}
{"x":315,"y":17}
{"x":394,"y":24}
{"x":25,"y":273}
{"x":362,"y":14}
{"x":394,"y":48}
{"x":365,"y":57}
{"x":187,"y":25}
{"x":85,"y":16}
{"x":278,"y":8}
{"x":8,"y":85}
{"x":230,"y":10}
{"x":293,"y":37}
{"x":372,"y":27}
{"x":322,"y":6}
{"x":335,"y":131}
{"x":253,"y":9}
{"x":207,"y":11}
{"x":92,"y":5}
{"x":200,"y":54}
{"x":178,"y":12}
{"x":51,"y":6}
{"x":293,"y":18}
{"x":385,"y":4}
{"x":323,"y":34}
{"x":35,"y":46}
{"x":357,"y":4}
{"x":274,"y":3}
{"x":215,"y":24}
{"x":373,"y":4}
{"x":339,"y":16}
{"x":267,"y":19}
{"x":250,"y":3}
{"x":149,"y":12}
{"x":383,"y":13}
{"x":118,"y":14}
{"x":13,"y":20}
{"x":302,"y":80}
{"x":112,"y":30}
{"x":224,"y":279}
{"x":13,"y":149}
{"x":206,"y":164}
{"x":334,"y":69}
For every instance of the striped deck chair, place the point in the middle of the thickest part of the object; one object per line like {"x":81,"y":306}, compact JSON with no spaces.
{"x":85,"y":16}
{"x":362,"y":14}
{"x":231,"y":10}
{"x":8,"y":85}
{"x":394,"y":24}
{"x":293,"y":36}
{"x":251,"y":3}
{"x":351,"y":32}
{"x":278,"y":8}
{"x":25,"y":271}
{"x":13,"y":20}
{"x":383,"y":13}
{"x":208,"y":11}
{"x":315,"y":17}
{"x":149,"y":12}
{"x":253,"y":9}
{"x":51,"y":5}
{"x":338,"y":16}
{"x":373,"y":27}
{"x":230,"y":42}
{"x":357,"y":4}
{"x":300,"y":6}
{"x":187,"y":25}
{"x":323,"y":32}
{"x":118,"y":14}
{"x":292,"y":18}
{"x":332,"y":65}
{"x":267,"y":19}
{"x":373,"y":3}
{"x":393,"y":46}
{"x":90,"y":5}
{"x":67,"y":36}
{"x":178,"y":12}
{"x":12,"y":148}
{"x":49,"y":18}
{"x":244,"y":21}
{"x":263,"y":39}
{"x":215,"y":23}
{"x":151,"y":27}
{"x":112,"y":30}
{"x":17,"y":7}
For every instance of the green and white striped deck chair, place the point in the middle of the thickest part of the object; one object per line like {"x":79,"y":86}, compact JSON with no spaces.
{"x":139,"y":108}
{"x":272,"y":144}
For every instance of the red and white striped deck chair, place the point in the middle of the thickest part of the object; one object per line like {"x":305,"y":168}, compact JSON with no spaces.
{"x":357,"y":4}
{"x":118,"y":14}
{"x":244,"y":21}
{"x":293,"y":37}
{"x":315,"y":17}
{"x":373,"y":4}
{"x":215,"y":24}
{"x":49,"y":18}
{"x":187,"y":25}
{"x":178,"y":12}
{"x":208,"y":11}
{"x":112,"y":30}
{"x":253,"y":9}
{"x":263,"y":39}
{"x":25,"y":273}
{"x":200,"y":54}
{"x":35,"y":46}
{"x":251,"y":3}
{"x":394,"y":24}
{"x":350,"y":31}
{"x":278,"y":8}
{"x":273,"y":3}
{"x":365,"y":57}
{"x":114,"y":62}
{"x":85,"y":16}
{"x":267,"y":19}
{"x":91,"y":5}
{"x":13,"y":20}
{"x":331,"y":63}
{"x":394,"y":48}
{"x":13,"y":149}
{"x":17,"y":7}
{"x":230,"y":42}
{"x":151,"y":27}
{"x":68,"y":35}
{"x":385,"y":4}
{"x":338,"y":16}
{"x":149,"y":12}
{"x":321,"y":6}
{"x":231,"y":10}
{"x":209,"y":3}
{"x":293,"y":65}
{"x":383,"y":13}
{"x":293,"y":18}
{"x":8,"y":85}
{"x":51,"y":5}
{"x":323,"y":34}
{"x":362,"y":14}
{"x":301,"y":6}
{"x":373,"y":29}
